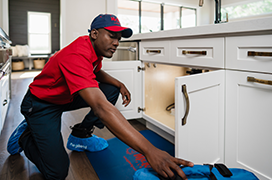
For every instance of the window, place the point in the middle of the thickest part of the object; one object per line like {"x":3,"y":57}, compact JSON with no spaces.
{"x":128,"y":14}
{"x":39,"y":32}
{"x":260,"y":7}
{"x":171,"y":16}
{"x":150,"y":17}
{"x":145,"y":16}
{"x":188,"y":17}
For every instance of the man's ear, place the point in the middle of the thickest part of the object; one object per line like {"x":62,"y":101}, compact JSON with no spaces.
{"x":94,"y":33}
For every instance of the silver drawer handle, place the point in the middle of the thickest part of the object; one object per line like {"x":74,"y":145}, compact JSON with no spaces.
{"x":153,"y":51}
{"x":254,"y":53}
{"x":194,"y":52}
{"x":261,"y":81}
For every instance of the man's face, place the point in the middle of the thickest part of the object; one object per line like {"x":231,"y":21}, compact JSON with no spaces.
{"x":105,"y":42}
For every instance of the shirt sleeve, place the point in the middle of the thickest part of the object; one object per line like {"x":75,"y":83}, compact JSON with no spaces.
{"x":78,"y":72}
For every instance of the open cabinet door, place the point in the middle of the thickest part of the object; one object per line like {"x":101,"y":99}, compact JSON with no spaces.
{"x":127,"y":73}
{"x":199,"y":117}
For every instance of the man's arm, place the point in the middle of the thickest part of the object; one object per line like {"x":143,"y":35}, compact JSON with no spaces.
{"x":159,"y":160}
{"x":104,"y":77}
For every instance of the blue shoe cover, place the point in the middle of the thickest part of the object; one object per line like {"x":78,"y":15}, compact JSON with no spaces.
{"x":13,"y":144}
{"x":145,"y":174}
{"x":92,"y":144}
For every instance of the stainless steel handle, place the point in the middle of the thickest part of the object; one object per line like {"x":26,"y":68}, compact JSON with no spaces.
{"x":131,"y":49}
{"x":153,"y":51}
{"x":194,"y":52}
{"x":261,"y":81}
{"x":184,"y":91}
{"x":254,"y":53}
{"x":2,"y":74}
{"x":5,"y":102}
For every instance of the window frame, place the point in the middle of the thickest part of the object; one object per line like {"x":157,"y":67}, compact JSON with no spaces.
{"x":162,"y":13}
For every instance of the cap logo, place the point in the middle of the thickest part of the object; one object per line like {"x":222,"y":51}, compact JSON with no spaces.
{"x":111,"y":23}
{"x":115,"y":20}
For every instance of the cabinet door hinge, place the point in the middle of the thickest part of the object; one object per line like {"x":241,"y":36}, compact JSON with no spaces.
{"x":141,"y":68}
{"x":140,"y":109}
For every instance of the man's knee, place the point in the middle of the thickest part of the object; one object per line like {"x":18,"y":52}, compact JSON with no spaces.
{"x":110,"y":91}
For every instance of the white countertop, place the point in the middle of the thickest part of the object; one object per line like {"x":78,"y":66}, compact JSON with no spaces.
{"x":248,"y":26}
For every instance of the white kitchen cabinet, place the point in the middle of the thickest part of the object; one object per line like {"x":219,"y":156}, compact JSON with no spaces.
{"x":202,"y":138}
{"x":152,"y":88}
{"x":155,"y":51}
{"x":199,"y":135}
{"x":249,"y":53}
{"x":127,"y":72}
{"x":248,"y":138}
{"x":207,"y":52}
{"x":249,"y":122}
{"x":228,"y":118}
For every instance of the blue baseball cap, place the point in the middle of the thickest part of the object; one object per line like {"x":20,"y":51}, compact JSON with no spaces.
{"x":110,"y":22}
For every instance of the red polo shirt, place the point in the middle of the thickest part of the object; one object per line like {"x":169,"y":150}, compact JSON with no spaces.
{"x":67,"y":71}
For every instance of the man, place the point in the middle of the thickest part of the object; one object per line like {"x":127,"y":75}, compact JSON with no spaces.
{"x":73,"y":79}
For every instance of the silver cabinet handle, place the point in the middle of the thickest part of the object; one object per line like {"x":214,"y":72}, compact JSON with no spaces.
{"x":131,"y":49}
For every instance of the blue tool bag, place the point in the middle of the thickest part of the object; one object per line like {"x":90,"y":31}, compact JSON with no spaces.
{"x":200,"y":172}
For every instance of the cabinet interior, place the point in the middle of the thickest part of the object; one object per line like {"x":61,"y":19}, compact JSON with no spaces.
{"x":160,"y":91}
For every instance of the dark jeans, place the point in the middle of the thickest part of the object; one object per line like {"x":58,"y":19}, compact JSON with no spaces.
{"x":44,"y":144}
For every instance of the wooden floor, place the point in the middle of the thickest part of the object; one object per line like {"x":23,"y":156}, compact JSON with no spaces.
{"x":18,"y":167}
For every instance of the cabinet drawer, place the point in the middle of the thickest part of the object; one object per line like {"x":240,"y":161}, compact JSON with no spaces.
{"x":204,"y":52}
{"x":252,"y":53}
{"x":154,"y":50}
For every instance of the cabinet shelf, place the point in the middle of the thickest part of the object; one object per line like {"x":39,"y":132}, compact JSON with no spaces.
{"x":165,"y":118}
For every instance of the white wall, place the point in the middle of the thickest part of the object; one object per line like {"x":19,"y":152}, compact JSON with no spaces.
{"x":205,"y":14}
{"x":76,"y":16}
{"x":4,"y":15}
{"x":1,"y":14}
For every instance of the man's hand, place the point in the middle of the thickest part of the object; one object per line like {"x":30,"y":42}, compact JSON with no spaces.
{"x":125,"y":94}
{"x":164,"y":164}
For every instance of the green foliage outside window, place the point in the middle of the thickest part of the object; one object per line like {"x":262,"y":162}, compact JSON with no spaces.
{"x":250,"y":9}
